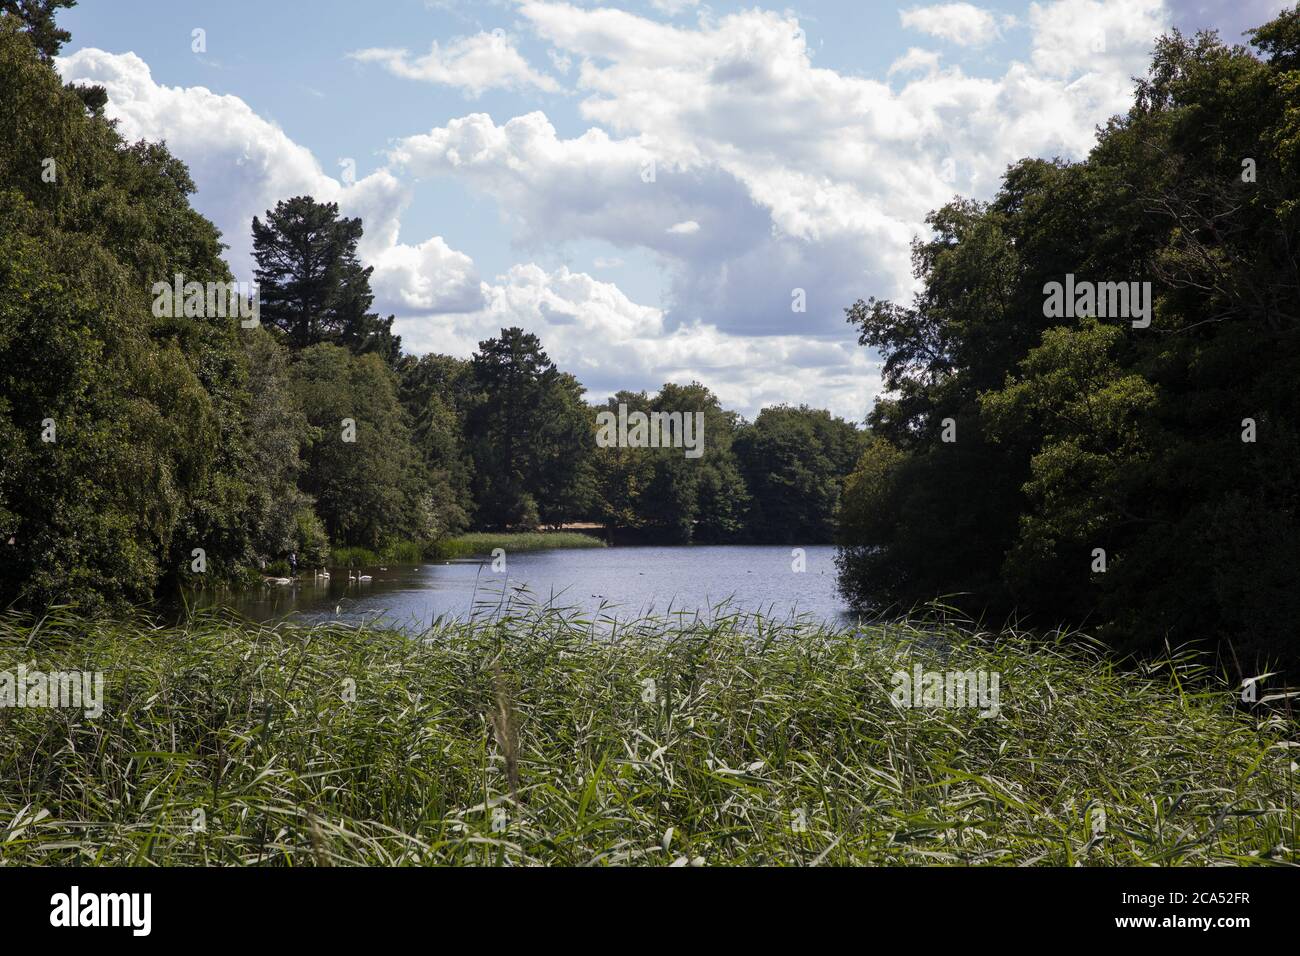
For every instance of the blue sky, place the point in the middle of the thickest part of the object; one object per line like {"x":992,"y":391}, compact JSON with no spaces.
{"x":293,"y":69}
{"x":501,"y":175}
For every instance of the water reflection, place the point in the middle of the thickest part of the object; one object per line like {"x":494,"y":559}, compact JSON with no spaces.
{"x":620,"y":582}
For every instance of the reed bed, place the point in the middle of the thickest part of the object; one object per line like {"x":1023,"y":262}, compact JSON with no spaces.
{"x":483,"y":542}
{"x":546,"y":737}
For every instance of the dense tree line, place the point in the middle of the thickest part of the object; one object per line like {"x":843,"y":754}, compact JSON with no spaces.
{"x":121,"y":435}
{"x":145,"y":445}
{"x":1141,"y":480}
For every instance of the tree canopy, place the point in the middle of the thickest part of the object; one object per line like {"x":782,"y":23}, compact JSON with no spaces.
{"x":37,"y":19}
{"x":313,"y":287}
{"x":1140,"y":479}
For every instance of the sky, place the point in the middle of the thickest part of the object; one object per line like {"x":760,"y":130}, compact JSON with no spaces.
{"x":661,"y":190}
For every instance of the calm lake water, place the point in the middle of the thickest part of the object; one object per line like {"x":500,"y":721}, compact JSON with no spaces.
{"x":620,"y":582}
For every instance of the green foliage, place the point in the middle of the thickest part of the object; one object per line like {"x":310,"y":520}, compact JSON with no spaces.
{"x":37,"y":20}
{"x":709,"y":490}
{"x":436,"y":391}
{"x":795,"y":461}
{"x":313,"y":287}
{"x":529,"y":436}
{"x":660,"y":494}
{"x":484,"y":543}
{"x":1279,"y":39}
{"x":623,"y":474}
{"x":310,"y":539}
{"x":784,"y":749}
{"x":1086,"y":414}
{"x":392,"y":552}
{"x":188,"y":450}
{"x":281,"y":515}
{"x":362,"y":469}
{"x":1080,"y":437}
{"x":130,"y":485}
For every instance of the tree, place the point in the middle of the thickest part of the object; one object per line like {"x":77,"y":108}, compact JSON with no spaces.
{"x":709,"y":489}
{"x":1087,"y":414}
{"x":123,"y":435}
{"x":37,"y":17}
{"x":313,"y":288}
{"x":361,"y":467}
{"x":1137,"y":476}
{"x":794,"y":462}
{"x":435,"y":390}
{"x":660,"y":494}
{"x":282,"y":518}
{"x":623,"y":474}
{"x":948,"y":509}
{"x":529,"y":435}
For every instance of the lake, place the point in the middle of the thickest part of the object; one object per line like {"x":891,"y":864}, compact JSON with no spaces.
{"x":624,"y":582}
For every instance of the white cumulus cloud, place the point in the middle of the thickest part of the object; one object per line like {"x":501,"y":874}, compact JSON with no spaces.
{"x":476,"y":63}
{"x":1093,"y":36}
{"x":244,"y":164}
{"x":801,"y":182}
{"x":915,"y":60}
{"x":961,"y":23}
{"x":592,"y":329}
{"x":799,"y":177}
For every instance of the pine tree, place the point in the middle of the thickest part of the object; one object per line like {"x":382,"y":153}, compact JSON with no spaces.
{"x":38,"y":21}
{"x":313,"y":287}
